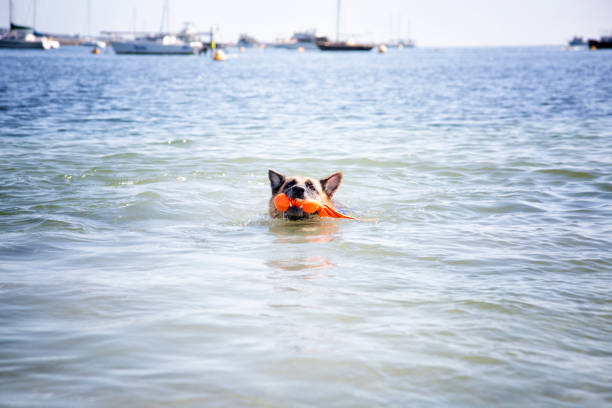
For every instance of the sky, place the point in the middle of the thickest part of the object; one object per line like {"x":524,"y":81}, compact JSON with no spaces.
{"x":435,"y":23}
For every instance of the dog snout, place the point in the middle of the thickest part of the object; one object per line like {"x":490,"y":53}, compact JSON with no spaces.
{"x":297,"y":192}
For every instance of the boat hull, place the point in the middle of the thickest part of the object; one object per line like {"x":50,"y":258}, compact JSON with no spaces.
{"x":341,"y":46}
{"x":146,"y":48}
{"x":24,"y":45}
{"x":296,"y":45}
{"x":594,"y":44}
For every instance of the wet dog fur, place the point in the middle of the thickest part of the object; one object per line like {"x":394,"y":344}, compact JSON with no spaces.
{"x":300,"y":187}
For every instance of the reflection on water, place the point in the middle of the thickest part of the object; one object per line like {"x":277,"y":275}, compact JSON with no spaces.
{"x":313,"y":231}
{"x":301,"y":263}
{"x":288,"y":233}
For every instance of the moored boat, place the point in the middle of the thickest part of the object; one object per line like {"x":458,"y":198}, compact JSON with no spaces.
{"x":24,"y":37}
{"x":325,"y":45}
{"x":302,"y":39}
{"x":247,"y":41}
{"x":164,"y":42}
{"x":605,"y":42}
{"x":343,"y":46}
{"x":577,"y":42}
{"x":18,"y":39}
{"x":157,"y":45}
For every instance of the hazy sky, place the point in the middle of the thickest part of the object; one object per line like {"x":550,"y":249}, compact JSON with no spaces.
{"x":430,"y":23}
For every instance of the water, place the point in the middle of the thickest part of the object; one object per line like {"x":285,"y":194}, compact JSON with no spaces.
{"x":138,"y":266}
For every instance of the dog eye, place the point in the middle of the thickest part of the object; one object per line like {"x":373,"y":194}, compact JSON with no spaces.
{"x":290,"y":184}
{"x":310,"y":186}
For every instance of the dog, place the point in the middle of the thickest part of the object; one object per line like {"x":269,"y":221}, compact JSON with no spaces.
{"x":299,"y":187}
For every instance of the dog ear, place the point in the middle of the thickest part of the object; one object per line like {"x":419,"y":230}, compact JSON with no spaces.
{"x":276,"y":180}
{"x":331,"y":183}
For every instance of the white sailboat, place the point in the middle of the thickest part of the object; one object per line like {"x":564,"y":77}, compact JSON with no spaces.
{"x":162,"y":43}
{"x":157,"y":44}
{"x":24,"y":37}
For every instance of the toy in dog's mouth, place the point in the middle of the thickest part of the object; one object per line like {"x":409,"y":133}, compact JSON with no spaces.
{"x":296,"y":209}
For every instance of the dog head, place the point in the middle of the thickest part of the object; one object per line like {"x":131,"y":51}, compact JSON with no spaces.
{"x":300,"y":187}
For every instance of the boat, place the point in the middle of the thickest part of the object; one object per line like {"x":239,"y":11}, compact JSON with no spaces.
{"x":343,"y":46}
{"x":157,"y":44}
{"x":577,"y":42}
{"x":326,"y":45}
{"x":94,"y":43}
{"x":247,"y":41}
{"x":90,"y":41}
{"x":604,"y":42}
{"x":401,"y":41}
{"x":24,"y":37}
{"x":301,"y":39}
{"x":161,"y":43}
{"x":409,"y":43}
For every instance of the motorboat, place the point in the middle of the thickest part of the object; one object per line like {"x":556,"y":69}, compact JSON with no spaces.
{"x":304,"y":39}
{"x":247,"y":41}
{"x":94,"y":43}
{"x":577,"y":42}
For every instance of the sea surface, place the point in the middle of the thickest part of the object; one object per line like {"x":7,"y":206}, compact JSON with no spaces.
{"x":139,"y":267}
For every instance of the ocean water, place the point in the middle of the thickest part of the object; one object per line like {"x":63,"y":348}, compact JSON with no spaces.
{"x":138,"y":265}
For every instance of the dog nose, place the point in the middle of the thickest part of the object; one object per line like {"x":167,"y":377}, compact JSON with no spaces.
{"x":298,"y":191}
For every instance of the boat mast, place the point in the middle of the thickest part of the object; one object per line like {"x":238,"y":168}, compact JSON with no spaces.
{"x":165,"y":21}
{"x":10,"y":13}
{"x":34,"y":17}
{"x":338,"y":21}
{"x":89,"y":17}
{"x":399,"y":28}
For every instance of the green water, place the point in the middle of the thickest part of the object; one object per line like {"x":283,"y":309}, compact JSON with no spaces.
{"x":138,"y":265}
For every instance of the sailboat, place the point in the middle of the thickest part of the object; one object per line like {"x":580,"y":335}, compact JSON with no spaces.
{"x":338,"y":45}
{"x":162,"y":43}
{"x":24,"y":37}
{"x":157,"y":44}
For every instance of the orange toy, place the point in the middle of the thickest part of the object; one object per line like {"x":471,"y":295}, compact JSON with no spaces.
{"x":282,"y":203}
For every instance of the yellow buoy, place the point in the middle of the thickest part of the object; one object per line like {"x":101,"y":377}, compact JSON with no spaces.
{"x":95,"y":51}
{"x":399,"y":47}
{"x":300,"y":49}
{"x":242,"y":49}
{"x":382,"y":48}
{"x":593,"y":47}
{"x":219,"y":56}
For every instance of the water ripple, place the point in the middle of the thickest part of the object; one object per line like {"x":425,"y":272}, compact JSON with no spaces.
{"x":139,"y":266}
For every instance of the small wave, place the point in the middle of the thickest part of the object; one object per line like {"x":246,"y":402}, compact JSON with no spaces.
{"x":504,"y":208}
{"x":127,"y":155}
{"x":26,"y":249}
{"x":607,"y":187}
{"x":178,"y":142}
{"x":504,"y":307}
{"x":574,"y":174}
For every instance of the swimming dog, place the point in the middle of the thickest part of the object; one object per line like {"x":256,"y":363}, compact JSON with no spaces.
{"x":301,"y":188}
